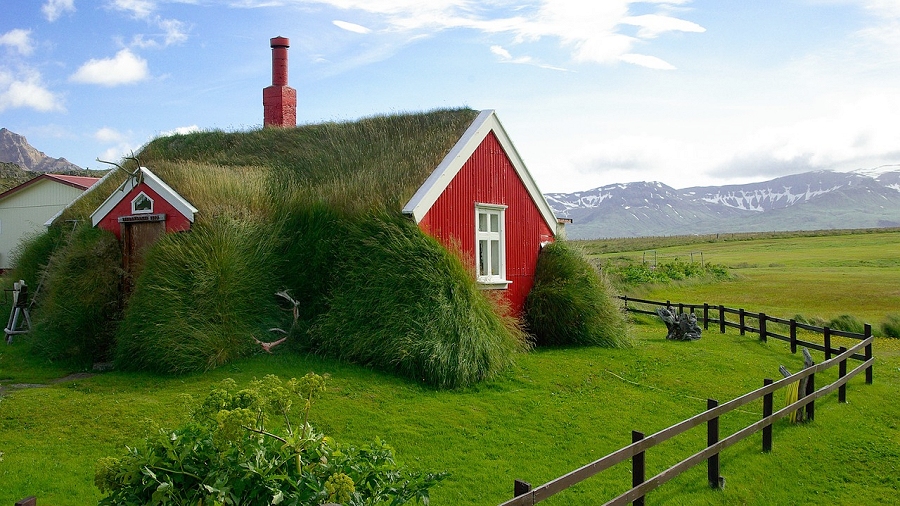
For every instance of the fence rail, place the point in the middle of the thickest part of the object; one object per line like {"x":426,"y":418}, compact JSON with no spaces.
{"x":636,"y":451}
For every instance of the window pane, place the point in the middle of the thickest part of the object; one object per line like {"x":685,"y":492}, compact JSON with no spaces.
{"x":495,"y":258}
{"x":495,"y":222}
{"x":482,"y":258}
{"x":482,"y":222}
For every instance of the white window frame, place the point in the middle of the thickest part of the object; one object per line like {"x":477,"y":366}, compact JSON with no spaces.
{"x":142,"y":211}
{"x":491,"y":273}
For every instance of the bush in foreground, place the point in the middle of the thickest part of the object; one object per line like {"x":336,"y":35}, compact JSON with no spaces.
{"x":571,"y":304}
{"x":249,"y":447}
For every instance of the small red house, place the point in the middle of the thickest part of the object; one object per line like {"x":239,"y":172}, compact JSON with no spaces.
{"x":482,"y":199}
{"x":140,"y":211}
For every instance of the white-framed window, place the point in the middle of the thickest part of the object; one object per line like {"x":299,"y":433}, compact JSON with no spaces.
{"x":490,"y":245}
{"x":142,"y":204}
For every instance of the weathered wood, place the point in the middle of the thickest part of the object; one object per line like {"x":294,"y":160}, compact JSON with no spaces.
{"x":705,"y":316}
{"x":721,"y":319}
{"x":842,"y":371}
{"x":793,"y":336}
{"x":741,"y":324}
{"x":521,"y":488}
{"x":826,"y":335}
{"x":763,"y":336}
{"x":28,"y":501}
{"x":868,"y":334}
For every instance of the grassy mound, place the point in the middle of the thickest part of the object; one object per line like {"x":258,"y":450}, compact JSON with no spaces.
{"x":570,"y":304}
{"x":79,"y":301}
{"x":202,"y":298}
{"x":403,"y":302}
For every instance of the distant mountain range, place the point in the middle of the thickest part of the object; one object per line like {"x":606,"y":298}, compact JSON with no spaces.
{"x":14,"y":148}
{"x":19,"y":162}
{"x":810,"y":201}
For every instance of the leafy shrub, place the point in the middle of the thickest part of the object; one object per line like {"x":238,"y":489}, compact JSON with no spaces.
{"x":201,"y":299}
{"x":891,"y":327}
{"x":80,"y":298}
{"x":632,"y":274}
{"x":404,"y":303}
{"x":247,"y":447}
{"x":570,"y":303}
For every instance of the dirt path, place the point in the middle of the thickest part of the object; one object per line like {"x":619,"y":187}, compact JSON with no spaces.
{"x":22,"y":386}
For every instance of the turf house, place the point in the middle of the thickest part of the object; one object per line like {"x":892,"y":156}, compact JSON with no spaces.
{"x":413,"y":243}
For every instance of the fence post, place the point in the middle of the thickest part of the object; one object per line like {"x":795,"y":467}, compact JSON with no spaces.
{"x":712,"y":437}
{"x":28,"y":501}
{"x":868,"y":354}
{"x":793,"y":336}
{"x":521,"y":488}
{"x":767,"y":411}
{"x":721,"y":319}
{"x":741,"y":319}
{"x":763,"y":335}
{"x":625,"y":298}
{"x":810,"y":389}
{"x":638,"y":469}
{"x":827,"y":336}
{"x":705,"y":316}
{"x":842,"y":371}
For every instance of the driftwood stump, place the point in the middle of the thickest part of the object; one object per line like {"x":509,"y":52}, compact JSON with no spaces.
{"x":681,"y":327}
{"x":796,"y":391}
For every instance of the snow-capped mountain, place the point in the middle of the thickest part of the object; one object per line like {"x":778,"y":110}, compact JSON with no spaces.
{"x":809,"y":201}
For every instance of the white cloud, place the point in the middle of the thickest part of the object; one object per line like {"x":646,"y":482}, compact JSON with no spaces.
{"x":350,"y":27}
{"x":501,"y":52}
{"x":27,"y":91}
{"x":591,"y":30}
{"x":182,"y":130}
{"x":108,"y":135}
{"x":653,"y":25}
{"x":646,"y":61}
{"x":137,"y":8}
{"x":53,"y":9}
{"x":124,"y":68}
{"x":18,"y":39}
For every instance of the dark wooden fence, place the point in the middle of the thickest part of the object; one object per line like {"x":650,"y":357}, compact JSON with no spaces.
{"x":636,"y":451}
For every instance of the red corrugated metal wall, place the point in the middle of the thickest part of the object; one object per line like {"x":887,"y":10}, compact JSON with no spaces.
{"x":488,"y":177}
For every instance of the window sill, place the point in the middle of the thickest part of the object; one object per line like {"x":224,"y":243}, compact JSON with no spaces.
{"x":494,"y":284}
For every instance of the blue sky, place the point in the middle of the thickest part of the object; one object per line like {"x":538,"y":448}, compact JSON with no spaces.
{"x":592,"y":92}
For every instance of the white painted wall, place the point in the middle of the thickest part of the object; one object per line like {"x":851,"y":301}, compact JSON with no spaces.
{"x":23,"y":213}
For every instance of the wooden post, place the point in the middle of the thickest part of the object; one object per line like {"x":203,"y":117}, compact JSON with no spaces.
{"x":763,"y":335}
{"x":810,"y":388}
{"x":521,"y":488}
{"x":868,"y":354}
{"x":767,"y":411}
{"x":793,"y":336}
{"x":680,"y":308}
{"x":638,"y":468}
{"x":827,"y":336}
{"x":705,"y":316}
{"x":28,"y":501}
{"x":842,"y":371}
{"x":741,"y":318}
{"x":712,"y":437}
{"x":721,"y":319}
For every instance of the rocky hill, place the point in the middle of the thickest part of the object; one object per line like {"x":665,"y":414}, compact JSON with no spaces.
{"x":809,"y":201}
{"x":14,"y":148}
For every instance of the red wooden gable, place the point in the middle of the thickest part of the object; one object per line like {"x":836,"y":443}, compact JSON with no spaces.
{"x":488,"y":177}
{"x":175,"y":221}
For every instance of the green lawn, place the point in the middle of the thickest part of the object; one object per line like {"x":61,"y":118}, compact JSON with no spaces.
{"x":554,"y":411}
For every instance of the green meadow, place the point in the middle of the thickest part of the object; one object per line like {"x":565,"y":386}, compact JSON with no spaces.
{"x":555,"y":409}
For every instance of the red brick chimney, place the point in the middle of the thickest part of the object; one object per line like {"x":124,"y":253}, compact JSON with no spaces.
{"x":279,"y":100}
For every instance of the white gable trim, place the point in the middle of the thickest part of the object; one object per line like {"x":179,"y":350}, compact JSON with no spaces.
{"x":154,"y":182}
{"x":486,"y":122}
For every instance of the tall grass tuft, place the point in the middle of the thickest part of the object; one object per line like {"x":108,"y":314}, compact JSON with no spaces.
{"x":79,"y":302}
{"x":405,"y":303}
{"x":891,"y":326}
{"x":31,"y":256}
{"x":570,"y":304}
{"x":201,"y":299}
{"x":847,"y":323}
